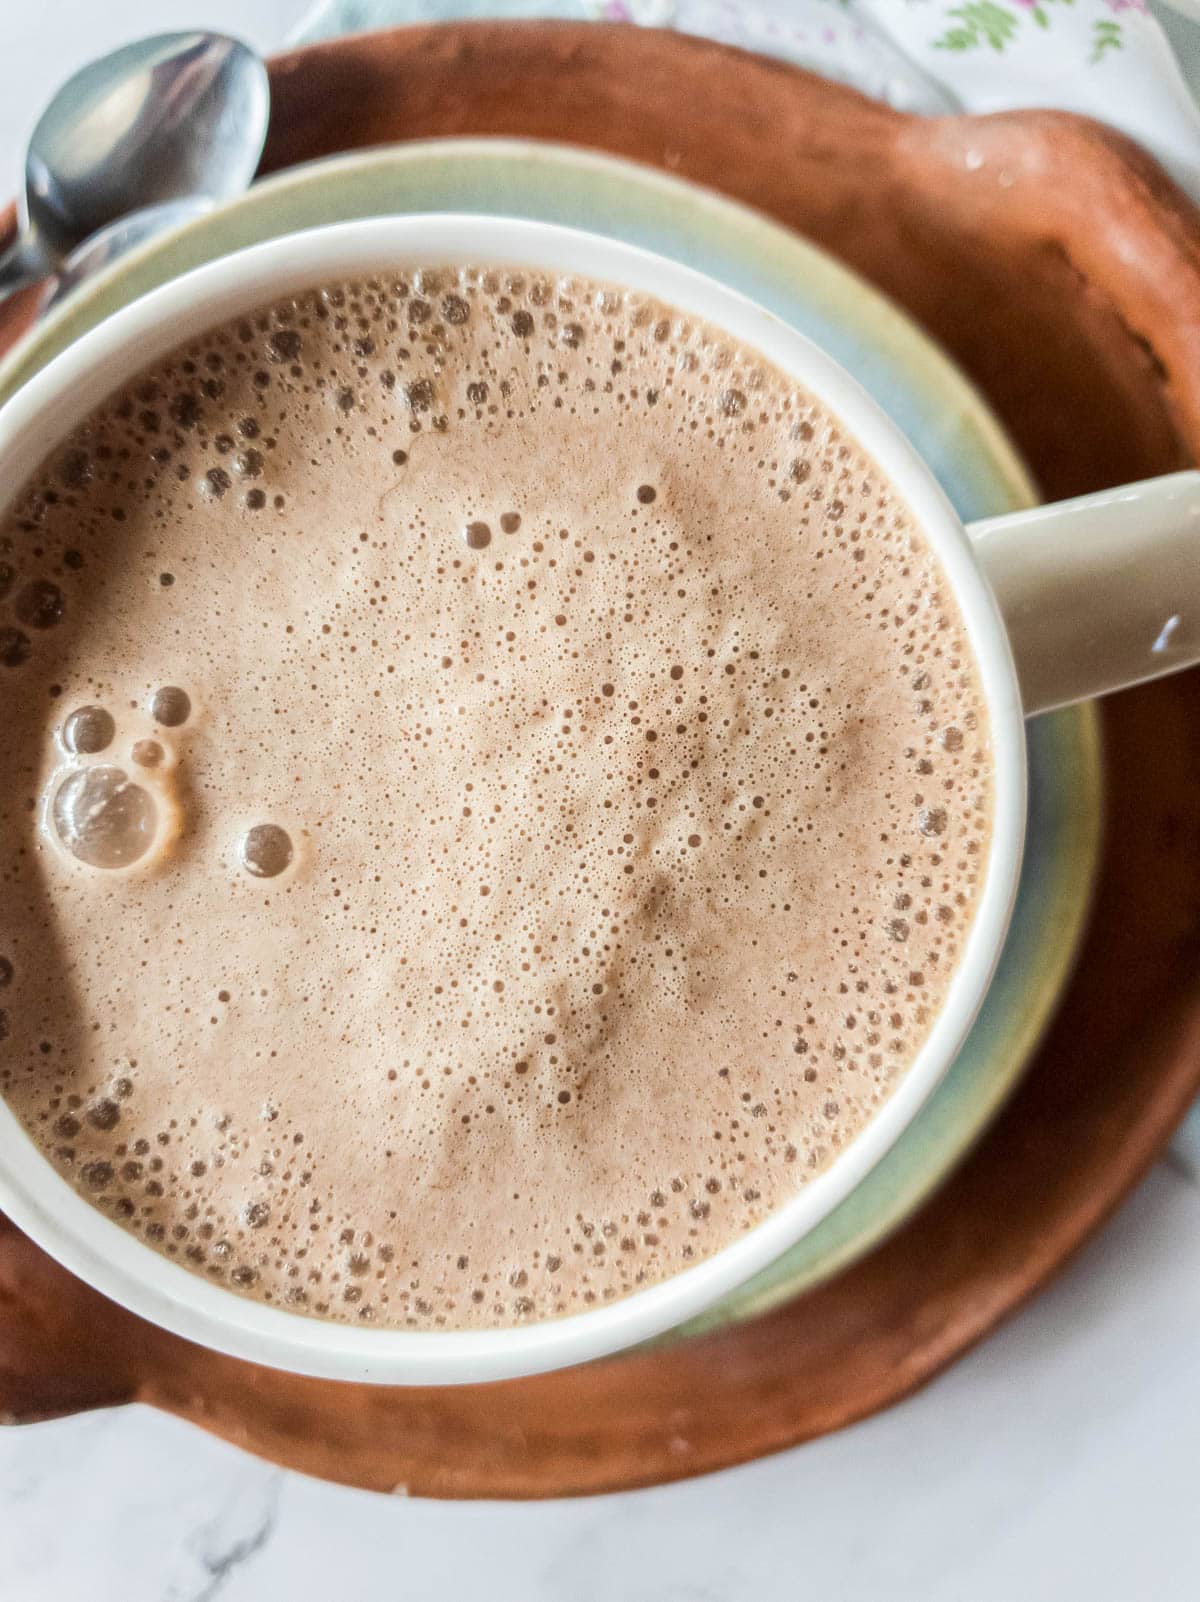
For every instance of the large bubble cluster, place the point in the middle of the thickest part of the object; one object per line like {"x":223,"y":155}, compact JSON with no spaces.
{"x":496,"y":790}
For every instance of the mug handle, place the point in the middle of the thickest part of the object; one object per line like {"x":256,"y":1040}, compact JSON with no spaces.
{"x":1100,"y":592}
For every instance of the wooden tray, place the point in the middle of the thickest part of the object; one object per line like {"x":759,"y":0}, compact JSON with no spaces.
{"x":1063,"y":271}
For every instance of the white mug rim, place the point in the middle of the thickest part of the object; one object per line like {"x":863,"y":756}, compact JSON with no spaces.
{"x":42,"y":1203}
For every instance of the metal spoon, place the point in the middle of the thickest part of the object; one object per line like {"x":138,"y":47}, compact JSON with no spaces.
{"x":101,"y":249}
{"x":177,"y":116}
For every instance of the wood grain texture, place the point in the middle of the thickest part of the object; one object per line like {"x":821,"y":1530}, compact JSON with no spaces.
{"x":1062,"y":269}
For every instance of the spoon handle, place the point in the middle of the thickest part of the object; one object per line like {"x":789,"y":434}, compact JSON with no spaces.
{"x":21,"y":264}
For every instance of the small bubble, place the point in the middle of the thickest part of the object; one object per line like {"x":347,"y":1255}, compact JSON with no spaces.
{"x":74,"y":469}
{"x":89,"y":729}
{"x":185,"y":410}
{"x":40,"y":605}
{"x":103,"y":1114}
{"x":15,"y":648}
{"x":147,"y":753}
{"x":170,"y":706}
{"x":283,"y":345}
{"x":647,"y":494}
{"x":266,"y":850}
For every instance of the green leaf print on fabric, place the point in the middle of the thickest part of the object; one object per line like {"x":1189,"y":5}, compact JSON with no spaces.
{"x":1106,"y":36}
{"x":984,"y":24}
{"x":980,"y":22}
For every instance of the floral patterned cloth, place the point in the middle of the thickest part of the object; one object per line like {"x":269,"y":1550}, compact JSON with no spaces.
{"x":1109,"y":59}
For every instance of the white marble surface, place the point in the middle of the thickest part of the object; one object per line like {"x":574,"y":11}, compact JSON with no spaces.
{"x":1056,"y":1462}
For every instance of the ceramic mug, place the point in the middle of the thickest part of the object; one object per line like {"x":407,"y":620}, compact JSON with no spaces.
{"x":1060,"y":603}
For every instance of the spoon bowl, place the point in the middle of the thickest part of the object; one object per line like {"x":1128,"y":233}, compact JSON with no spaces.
{"x":174,"y":117}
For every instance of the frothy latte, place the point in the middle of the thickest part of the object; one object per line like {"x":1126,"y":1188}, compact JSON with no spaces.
{"x":493,"y":789}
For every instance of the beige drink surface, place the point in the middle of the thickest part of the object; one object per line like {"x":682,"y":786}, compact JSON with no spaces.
{"x":567,"y":812}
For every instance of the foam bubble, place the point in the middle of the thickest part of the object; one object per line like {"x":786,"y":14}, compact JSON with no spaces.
{"x":15,"y":647}
{"x":88,"y":730}
{"x":265,"y":850}
{"x":170,"y":706}
{"x":103,"y":818}
{"x":40,"y":604}
{"x":147,"y":753}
